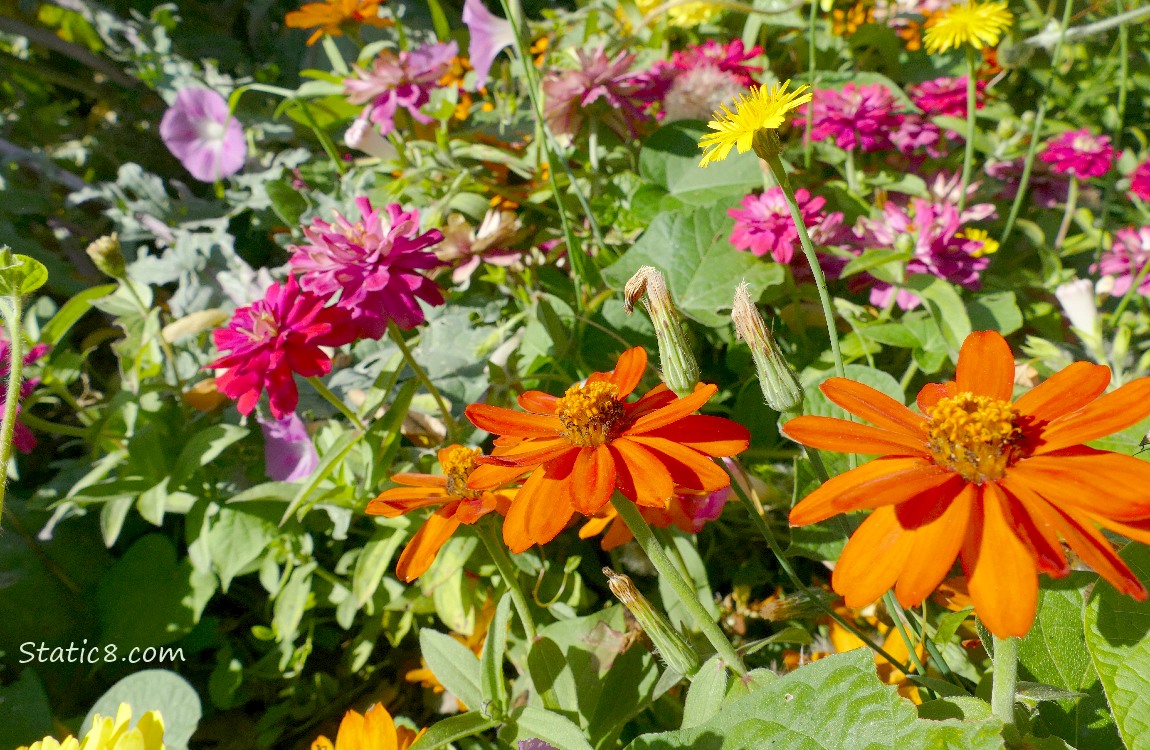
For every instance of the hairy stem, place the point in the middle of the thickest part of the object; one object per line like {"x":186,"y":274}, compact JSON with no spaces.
{"x":12,"y":394}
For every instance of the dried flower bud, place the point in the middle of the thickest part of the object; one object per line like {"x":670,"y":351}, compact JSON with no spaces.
{"x":105,"y":253}
{"x":670,"y":643}
{"x":779,"y":382}
{"x":680,"y":370}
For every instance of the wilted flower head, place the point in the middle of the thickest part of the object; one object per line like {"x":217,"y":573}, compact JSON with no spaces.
{"x":289,"y":453}
{"x":404,"y":80}
{"x":680,"y":370}
{"x":696,"y":93}
{"x":375,"y":264}
{"x":1080,"y":154}
{"x":602,"y":80}
{"x":467,"y":246}
{"x":107,"y":256}
{"x":730,"y":58}
{"x":858,"y":116}
{"x":778,"y":379}
{"x":334,"y":17}
{"x":946,"y":96}
{"x":763,"y":225}
{"x":489,"y":34}
{"x":22,"y":438}
{"x":1125,"y":260}
{"x":200,"y":131}
{"x":1140,"y":181}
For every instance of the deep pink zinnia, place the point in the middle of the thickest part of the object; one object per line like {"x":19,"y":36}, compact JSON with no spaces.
{"x":1080,"y":154}
{"x":763,"y":225}
{"x":1140,"y":181}
{"x":404,"y":80}
{"x":730,"y":58}
{"x":375,"y":264}
{"x":22,"y":438}
{"x":946,"y":96}
{"x":606,"y":83}
{"x":272,"y":340}
{"x":200,"y":131}
{"x":1125,"y":260}
{"x":862,"y":117}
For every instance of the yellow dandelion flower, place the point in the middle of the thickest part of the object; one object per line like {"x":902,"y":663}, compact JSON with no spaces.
{"x":761,"y":109}
{"x":685,"y":15}
{"x":977,"y":24}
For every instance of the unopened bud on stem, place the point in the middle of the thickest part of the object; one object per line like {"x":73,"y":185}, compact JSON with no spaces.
{"x":779,"y":382}
{"x":680,"y":370}
{"x":107,"y":256}
{"x":671,"y":645}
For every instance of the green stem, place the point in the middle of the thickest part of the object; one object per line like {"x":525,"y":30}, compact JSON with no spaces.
{"x":510,"y":578}
{"x":898,"y":615}
{"x":1005,"y":672}
{"x":165,"y":347}
{"x":334,"y":400}
{"x":1132,"y":291}
{"x":971,"y":108}
{"x":784,"y":563}
{"x":12,"y":395}
{"x":448,"y":420}
{"x":686,"y":592}
{"x":43,"y":425}
{"x":1068,"y":214}
{"x":807,"y":145}
{"x":908,"y":376}
{"x":324,"y":139}
{"x":852,"y":172}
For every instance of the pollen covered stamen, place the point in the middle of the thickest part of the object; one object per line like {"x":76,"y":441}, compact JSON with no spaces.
{"x":458,"y":462}
{"x":591,"y":413}
{"x":976,"y":436}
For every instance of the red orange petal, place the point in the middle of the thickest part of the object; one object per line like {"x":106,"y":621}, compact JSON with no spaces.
{"x":1104,"y":416}
{"x":1096,"y":552}
{"x":829,"y":433}
{"x":629,"y":370}
{"x":872,"y":560}
{"x":549,"y":504}
{"x":673,"y":411}
{"x":530,"y":453}
{"x":640,"y":475}
{"x":424,"y":546}
{"x":1068,"y":389}
{"x":486,"y":477}
{"x":501,"y":421}
{"x":656,"y":398}
{"x":715,"y":436}
{"x":873,"y":405}
{"x":1030,"y":517}
{"x":935,"y":546}
{"x":688,"y":468}
{"x":1000,"y":571}
{"x":932,"y":393}
{"x":1094,"y":481}
{"x":400,"y":500}
{"x":515,"y":534}
{"x":884,"y":481}
{"x":592,"y":480}
{"x":986,"y":366}
{"x":538,"y":402}
{"x":420,"y":480}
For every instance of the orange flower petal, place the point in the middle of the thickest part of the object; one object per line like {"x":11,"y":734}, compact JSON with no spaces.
{"x":420,"y":480}
{"x":673,"y":411}
{"x":596,"y":525}
{"x":1096,"y":552}
{"x":841,"y":436}
{"x":472,"y":509}
{"x":617,"y":535}
{"x":629,"y":371}
{"x":486,"y":477}
{"x":932,"y":393}
{"x":1094,"y":481}
{"x":538,"y":402}
{"x":688,"y":468}
{"x":507,"y":422}
{"x":715,"y":436}
{"x":884,"y":481}
{"x":424,"y":546}
{"x":402,"y":500}
{"x":549,"y":504}
{"x":654,"y":399}
{"x":935,"y":546}
{"x":592,"y":480}
{"x":530,"y":453}
{"x":986,"y":366}
{"x":1115,"y":411}
{"x":640,"y":475}
{"x":378,"y":725}
{"x":1001,"y":573}
{"x":515,"y":523}
{"x":873,"y":405}
{"x":1139,"y":531}
{"x":1065,"y":391}
{"x":873,"y":559}
{"x":1030,"y":517}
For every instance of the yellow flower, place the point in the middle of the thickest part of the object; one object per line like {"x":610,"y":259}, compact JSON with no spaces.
{"x":685,"y":15}
{"x":114,"y":734}
{"x":373,"y":730}
{"x":977,"y":24}
{"x":332,"y":16}
{"x":761,"y":109}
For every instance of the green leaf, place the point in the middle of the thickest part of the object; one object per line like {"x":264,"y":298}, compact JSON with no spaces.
{"x":291,"y":603}
{"x":705,"y":696}
{"x":25,"y":716}
{"x":19,"y":274}
{"x":963,"y":708}
{"x":1118,"y":637}
{"x":71,"y":312}
{"x":154,"y":690}
{"x":236,"y":540}
{"x":530,"y":722}
{"x":701,"y":266}
{"x":491,"y":662}
{"x":891,"y":334}
{"x":286,"y":201}
{"x":871,"y":259}
{"x":443,"y":733}
{"x":204,"y":447}
{"x":836,"y":702}
{"x":670,"y":159}
{"x":995,"y":312}
{"x":453,"y":665}
{"x":945,"y":306}
{"x":373,"y":561}
{"x":331,"y":458}
{"x":146,"y":598}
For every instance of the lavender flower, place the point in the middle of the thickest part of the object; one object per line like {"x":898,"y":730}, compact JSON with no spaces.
{"x":490,"y":35}
{"x":202,"y":134}
{"x":289,"y":453}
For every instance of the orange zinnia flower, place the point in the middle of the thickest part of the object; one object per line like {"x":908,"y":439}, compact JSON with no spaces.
{"x":977,"y":477}
{"x":373,"y":730}
{"x":331,"y":16}
{"x":457,"y":505}
{"x":583,"y":446}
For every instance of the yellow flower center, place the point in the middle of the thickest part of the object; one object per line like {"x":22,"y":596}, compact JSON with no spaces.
{"x":591,"y":413}
{"x":458,"y":462}
{"x":975,"y":436}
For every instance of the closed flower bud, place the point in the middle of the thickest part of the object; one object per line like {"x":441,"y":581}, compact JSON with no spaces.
{"x":106,"y":255}
{"x":669,"y":642}
{"x":779,"y":382}
{"x":680,"y":370}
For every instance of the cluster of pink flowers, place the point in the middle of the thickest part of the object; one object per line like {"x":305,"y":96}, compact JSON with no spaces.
{"x":399,"y":81}
{"x":22,"y":438}
{"x":1125,"y":259}
{"x":620,"y":96}
{"x":354,"y":280}
{"x":1140,"y":181}
{"x":946,"y":96}
{"x":861,"y":117}
{"x":695,"y":81}
{"x":763,"y":225}
{"x":1080,"y":154}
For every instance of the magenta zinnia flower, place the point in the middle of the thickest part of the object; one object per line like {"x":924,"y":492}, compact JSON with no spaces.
{"x":375,"y":264}
{"x":763,"y":225}
{"x":274,"y":339}
{"x":604,"y":82}
{"x":1125,"y":260}
{"x":22,"y":438}
{"x":946,"y":96}
{"x":404,"y":80}
{"x":1080,"y":154}
{"x":862,"y":117}
{"x":202,"y":134}
{"x":289,"y":453}
{"x":489,"y":35}
{"x":730,"y":58}
{"x":1140,"y":181}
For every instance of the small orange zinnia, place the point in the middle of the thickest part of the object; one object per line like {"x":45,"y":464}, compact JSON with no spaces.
{"x":977,"y":477}
{"x":583,"y":446}
{"x":332,"y":16}
{"x":457,"y":505}
{"x":373,"y":730}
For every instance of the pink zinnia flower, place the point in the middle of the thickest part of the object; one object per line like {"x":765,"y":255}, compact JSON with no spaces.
{"x":274,"y":339}
{"x":729,"y":58}
{"x":1125,"y":260}
{"x":1080,"y":154}
{"x":469,"y":246}
{"x":946,"y":96}
{"x":375,"y":264}
{"x":763,"y":225}
{"x":915,"y":132}
{"x":1140,"y":181}
{"x":489,"y":35}
{"x":1045,"y":189}
{"x":22,"y":438}
{"x":599,"y":80}
{"x":202,"y":134}
{"x":861,"y":117}
{"x":289,"y":453}
{"x":404,"y":80}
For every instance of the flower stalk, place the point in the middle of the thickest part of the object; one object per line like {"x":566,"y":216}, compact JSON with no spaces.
{"x":11,"y":312}
{"x":971,"y":107}
{"x":444,"y":410}
{"x":1068,"y":213}
{"x":1005,"y":675}
{"x":322,"y":389}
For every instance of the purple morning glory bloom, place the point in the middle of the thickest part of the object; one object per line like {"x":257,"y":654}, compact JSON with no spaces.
{"x":490,"y":34}
{"x":289,"y":453}
{"x":201,"y":133}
